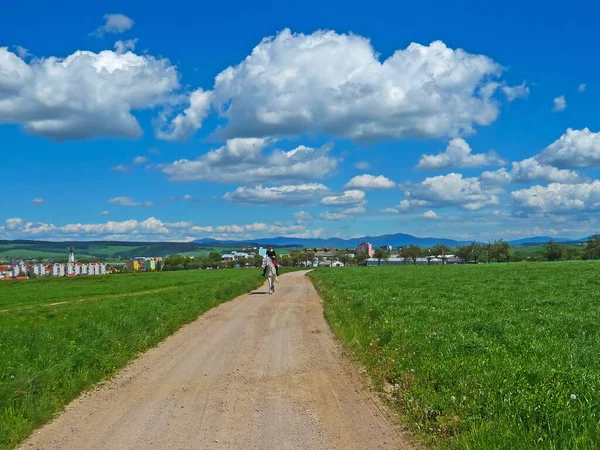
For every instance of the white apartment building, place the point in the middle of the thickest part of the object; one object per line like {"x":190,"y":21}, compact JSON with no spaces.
{"x":58,"y":270}
{"x":39,"y":270}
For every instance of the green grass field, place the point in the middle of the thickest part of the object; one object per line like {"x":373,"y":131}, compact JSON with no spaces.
{"x":505,"y":356}
{"x":51,"y":352}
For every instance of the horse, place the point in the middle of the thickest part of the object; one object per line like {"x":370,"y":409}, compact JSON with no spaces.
{"x":271,"y":273}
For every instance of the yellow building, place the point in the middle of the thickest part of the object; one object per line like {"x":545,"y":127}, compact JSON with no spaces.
{"x":133,"y":266}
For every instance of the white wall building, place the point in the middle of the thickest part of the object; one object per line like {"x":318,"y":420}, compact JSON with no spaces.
{"x":39,"y":270}
{"x":78,"y":269}
{"x":58,"y":270}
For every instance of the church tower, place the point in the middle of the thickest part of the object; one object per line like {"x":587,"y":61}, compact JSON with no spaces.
{"x":71,"y":255}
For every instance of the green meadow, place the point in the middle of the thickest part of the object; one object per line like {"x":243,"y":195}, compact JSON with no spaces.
{"x":501,"y":356}
{"x":58,"y":337}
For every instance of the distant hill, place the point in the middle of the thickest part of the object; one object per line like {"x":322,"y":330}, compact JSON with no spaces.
{"x":544,"y":239}
{"x":25,"y":249}
{"x":394,"y":240}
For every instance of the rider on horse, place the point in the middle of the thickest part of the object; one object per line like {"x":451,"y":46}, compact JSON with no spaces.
{"x":271,"y":254}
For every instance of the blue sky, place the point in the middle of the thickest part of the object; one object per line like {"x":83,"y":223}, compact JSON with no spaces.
{"x":146,"y":122}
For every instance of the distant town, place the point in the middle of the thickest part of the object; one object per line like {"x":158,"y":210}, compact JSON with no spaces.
{"x":363,"y":254}
{"x":22,"y":270}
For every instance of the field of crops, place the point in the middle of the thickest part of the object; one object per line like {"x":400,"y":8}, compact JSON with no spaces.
{"x":505,"y":356}
{"x":60,"y":336}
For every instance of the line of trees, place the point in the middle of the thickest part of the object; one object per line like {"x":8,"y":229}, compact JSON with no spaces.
{"x":212,"y":260}
{"x":494,"y":251}
{"x":554,"y":251}
{"x":498,"y":250}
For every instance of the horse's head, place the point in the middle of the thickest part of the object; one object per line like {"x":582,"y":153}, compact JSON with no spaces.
{"x":265,"y":261}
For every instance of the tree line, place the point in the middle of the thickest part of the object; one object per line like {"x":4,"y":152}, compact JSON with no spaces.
{"x":498,"y":251}
{"x":213,"y":260}
{"x":494,"y":251}
{"x":553,"y":251}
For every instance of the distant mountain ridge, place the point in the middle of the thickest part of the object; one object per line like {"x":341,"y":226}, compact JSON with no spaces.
{"x":395,"y":240}
{"x":127,"y":249}
{"x":544,"y":239}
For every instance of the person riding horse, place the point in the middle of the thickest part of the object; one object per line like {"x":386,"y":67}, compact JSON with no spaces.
{"x":271,"y":254}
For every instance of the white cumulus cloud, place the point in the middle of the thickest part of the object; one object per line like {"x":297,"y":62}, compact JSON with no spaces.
{"x":128,"y":201}
{"x":450,"y":190}
{"x":350,"y":197}
{"x":335,"y":83}
{"x":124,"y":46}
{"x":243,"y":161}
{"x":370,"y":182}
{"x":582,"y":87}
{"x":150,"y":229}
{"x":150,"y":226}
{"x":343,"y":213}
{"x":203,"y":230}
{"x":37,"y":201}
{"x":22,"y":51}
{"x":140,"y":160}
{"x":334,"y":216}
{"x":531,"y":170}
{"x":14,"y":223}
{"x":114,"y":23}
{"x":496,"y":177}
{"x":458,"y":154}
{"x":574,"y":149}
{"x":263,"y":229}
{"x":560,"y":104}
{"x":430,"y":215}
{"x":85,"y":95}
{"x":292,"y":195}
{"x":190,"y":119}
{"x":514,"y":92}
{"x":528,"y":170}
{"x":560,"y":197}
{"x":302,"y":217}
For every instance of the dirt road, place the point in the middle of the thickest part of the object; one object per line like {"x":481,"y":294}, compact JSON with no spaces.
{"x":259,"y":372}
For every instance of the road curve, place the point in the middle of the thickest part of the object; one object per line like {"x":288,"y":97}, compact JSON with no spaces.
{"x":259,"y":372}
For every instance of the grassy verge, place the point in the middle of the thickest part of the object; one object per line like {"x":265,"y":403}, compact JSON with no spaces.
{"x":504,"y":356}
{"x":49,"y":354}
